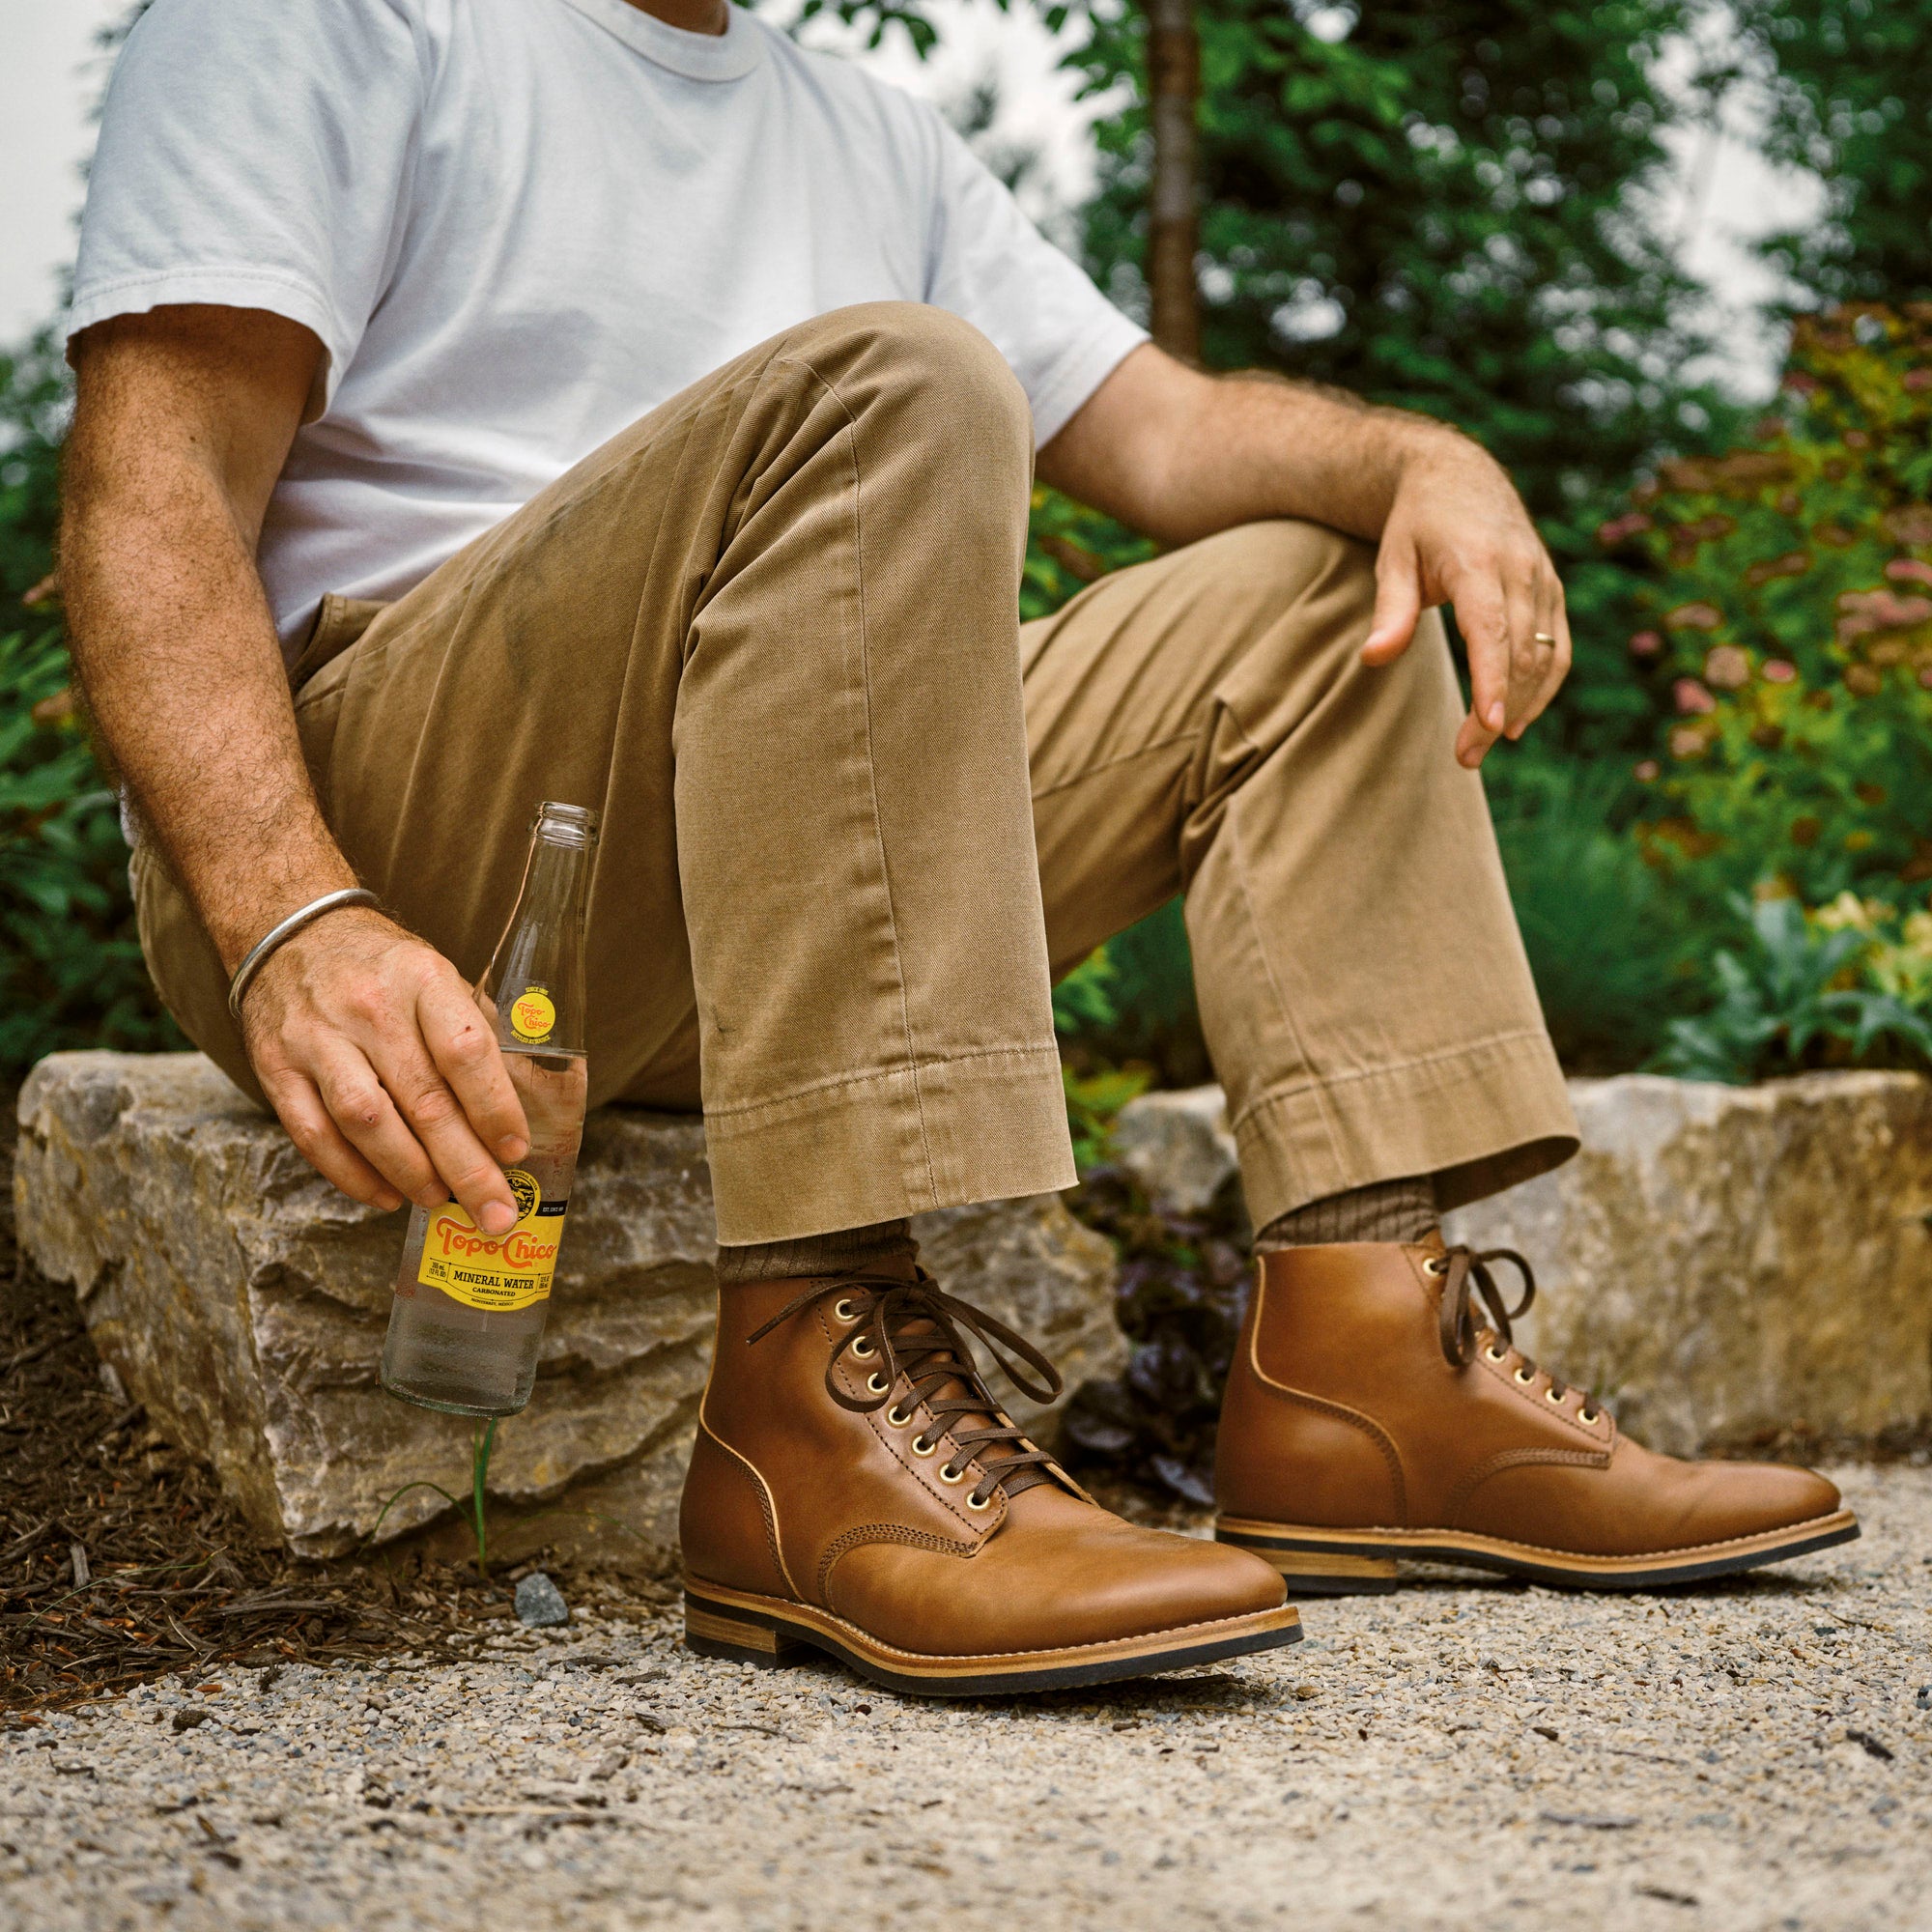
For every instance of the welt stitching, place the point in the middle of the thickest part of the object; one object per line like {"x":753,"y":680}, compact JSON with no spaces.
{"x":884,"y":1532}
{"x":1515,"y":1459}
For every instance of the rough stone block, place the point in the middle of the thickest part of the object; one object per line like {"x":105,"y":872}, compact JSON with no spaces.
{"x":1178,"y":1146}
{"x":1722,"y":1262}
{"x":245,"y":1302}
{"x":1717,"y":1263}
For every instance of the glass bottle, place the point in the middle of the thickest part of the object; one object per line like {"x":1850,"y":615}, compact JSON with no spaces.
{"x":467,"y":1316}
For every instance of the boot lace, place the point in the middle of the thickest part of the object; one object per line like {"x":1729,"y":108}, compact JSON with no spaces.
{"x":1465,"y":1273}
{"x":913,"y":1328}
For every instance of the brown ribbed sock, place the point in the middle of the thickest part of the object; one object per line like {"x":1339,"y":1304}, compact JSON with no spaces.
{"x":1385,"y":1211}
{"x":841,"y":1253}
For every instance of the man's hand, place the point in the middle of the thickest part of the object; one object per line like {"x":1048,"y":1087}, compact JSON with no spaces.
{"x":367,"y":1042}
{"x":372,"y":1049}
{"x":1457,"y":533}
{"x":1180,"y":454}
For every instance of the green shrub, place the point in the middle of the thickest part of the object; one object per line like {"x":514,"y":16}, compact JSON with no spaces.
{"x":1615,"y":954}
{"x":1791,"y":609}
{"x":1068,"y":547}
{"x":1801,"y":994}
{"x":71,"y":969}
{"x":1788,"y":609}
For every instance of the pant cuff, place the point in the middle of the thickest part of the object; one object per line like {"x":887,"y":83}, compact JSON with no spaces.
{"x":1477,"y":1118}
{"x":983,"y":1126}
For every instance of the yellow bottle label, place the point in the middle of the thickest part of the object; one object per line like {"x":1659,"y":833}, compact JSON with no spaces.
{"x":533,"y":1015}
{"x":498,"y":1273}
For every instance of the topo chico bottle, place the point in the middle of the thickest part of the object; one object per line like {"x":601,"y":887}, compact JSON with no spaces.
{"x":468,"y":1310}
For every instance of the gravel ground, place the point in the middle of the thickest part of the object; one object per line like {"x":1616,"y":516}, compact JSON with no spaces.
{"x":1456,"y":1755}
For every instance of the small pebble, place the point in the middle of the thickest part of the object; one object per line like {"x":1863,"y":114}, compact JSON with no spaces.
{"x":540,"y":1603}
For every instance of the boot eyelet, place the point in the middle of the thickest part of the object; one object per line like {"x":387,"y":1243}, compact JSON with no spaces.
{"x":897,"y":1417}
{"x":877,"y":1383}
{"x":1435,"y":1267}
{"x":1589,"y":1417}
{"x":919,"y":1446}
{"x":1550,"y":1395}
{"x":842,"y":1310}
{"x":1495,"y":1354}
{"x":979,"y":1502}
{"x":1524,"y":1375}
{"x":948,"y":1475}
{"x":863,"y":1349}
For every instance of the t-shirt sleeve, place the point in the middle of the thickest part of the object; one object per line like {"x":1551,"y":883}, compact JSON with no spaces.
{"x":254,"y":153}
{"x":990,"y":265}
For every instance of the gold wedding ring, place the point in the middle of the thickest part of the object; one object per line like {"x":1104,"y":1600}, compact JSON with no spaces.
{"x":1543,"y":638}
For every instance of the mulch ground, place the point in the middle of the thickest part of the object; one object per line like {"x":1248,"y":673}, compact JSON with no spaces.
{"x":121,"y":1561}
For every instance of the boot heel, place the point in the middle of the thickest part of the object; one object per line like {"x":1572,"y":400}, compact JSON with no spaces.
{"x":1311,"y":1570}
{"x":712,"y":1630}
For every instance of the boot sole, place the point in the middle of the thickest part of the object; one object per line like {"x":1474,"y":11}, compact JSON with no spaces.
{"x":1362,"y":1562}
{"x":769,"y":1631}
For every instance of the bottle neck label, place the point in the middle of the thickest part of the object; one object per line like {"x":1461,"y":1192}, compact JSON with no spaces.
{"x":533,"y":1016}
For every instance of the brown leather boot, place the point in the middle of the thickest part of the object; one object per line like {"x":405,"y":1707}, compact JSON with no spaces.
{"x":855,"y":1490}
{"x":1371,"y":1414}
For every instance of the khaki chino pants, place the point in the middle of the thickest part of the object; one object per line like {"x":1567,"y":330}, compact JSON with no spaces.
{"x":855,"y":817}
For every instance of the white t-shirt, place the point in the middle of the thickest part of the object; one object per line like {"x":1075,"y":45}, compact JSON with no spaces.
{"x":518,"y":225}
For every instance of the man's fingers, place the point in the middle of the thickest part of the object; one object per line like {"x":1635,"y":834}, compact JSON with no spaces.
{"x":360,"y":1106}
{"x":298,"y":1103}
{"x":1554,"y":623}
{"x":1398,"y":602}
{"x":428,"y":1105}
{"x":1472,"y":742}
{"x":1483,"y":618}
{"x":1527,"y":659}
{"x":466,"y":1055}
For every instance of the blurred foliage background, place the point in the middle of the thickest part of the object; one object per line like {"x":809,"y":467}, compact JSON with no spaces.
{"x":1720,"y":840}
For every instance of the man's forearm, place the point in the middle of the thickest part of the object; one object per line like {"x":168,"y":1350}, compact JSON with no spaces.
{"x":1180,"y":454}
{"x":178,"y":658}
{"x":1349,"y":456}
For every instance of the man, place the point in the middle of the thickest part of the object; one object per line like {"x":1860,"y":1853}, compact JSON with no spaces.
{"x":490,"y":400}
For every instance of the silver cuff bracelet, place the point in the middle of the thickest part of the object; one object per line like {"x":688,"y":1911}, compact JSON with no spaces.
{"x":258,"y":954}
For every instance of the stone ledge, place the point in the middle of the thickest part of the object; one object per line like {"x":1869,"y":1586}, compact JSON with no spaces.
{"x":243,"y":1301}
{"x":1719,"y":1262}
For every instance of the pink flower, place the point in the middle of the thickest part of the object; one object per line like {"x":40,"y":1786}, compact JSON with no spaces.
{"x":1693,"y":617}
{"x":1918,"y":379}
{"x":1910,"y":524}
{"x":1728,"y":667}
{"x":1779,"y":670}
{"x":1688,"y":741}
{"x":1692,"y":698}
{"x":1647,"y":770}
{"x":1611,"y":534}
{"x":1908,"y":569}
{"x":1646,"y":644}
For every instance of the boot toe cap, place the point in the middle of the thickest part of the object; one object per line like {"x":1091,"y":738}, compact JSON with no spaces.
{"x":1758,"y":1498}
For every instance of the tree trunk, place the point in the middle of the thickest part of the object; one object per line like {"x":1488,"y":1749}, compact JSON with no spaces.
{"x":1173,"y":92}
